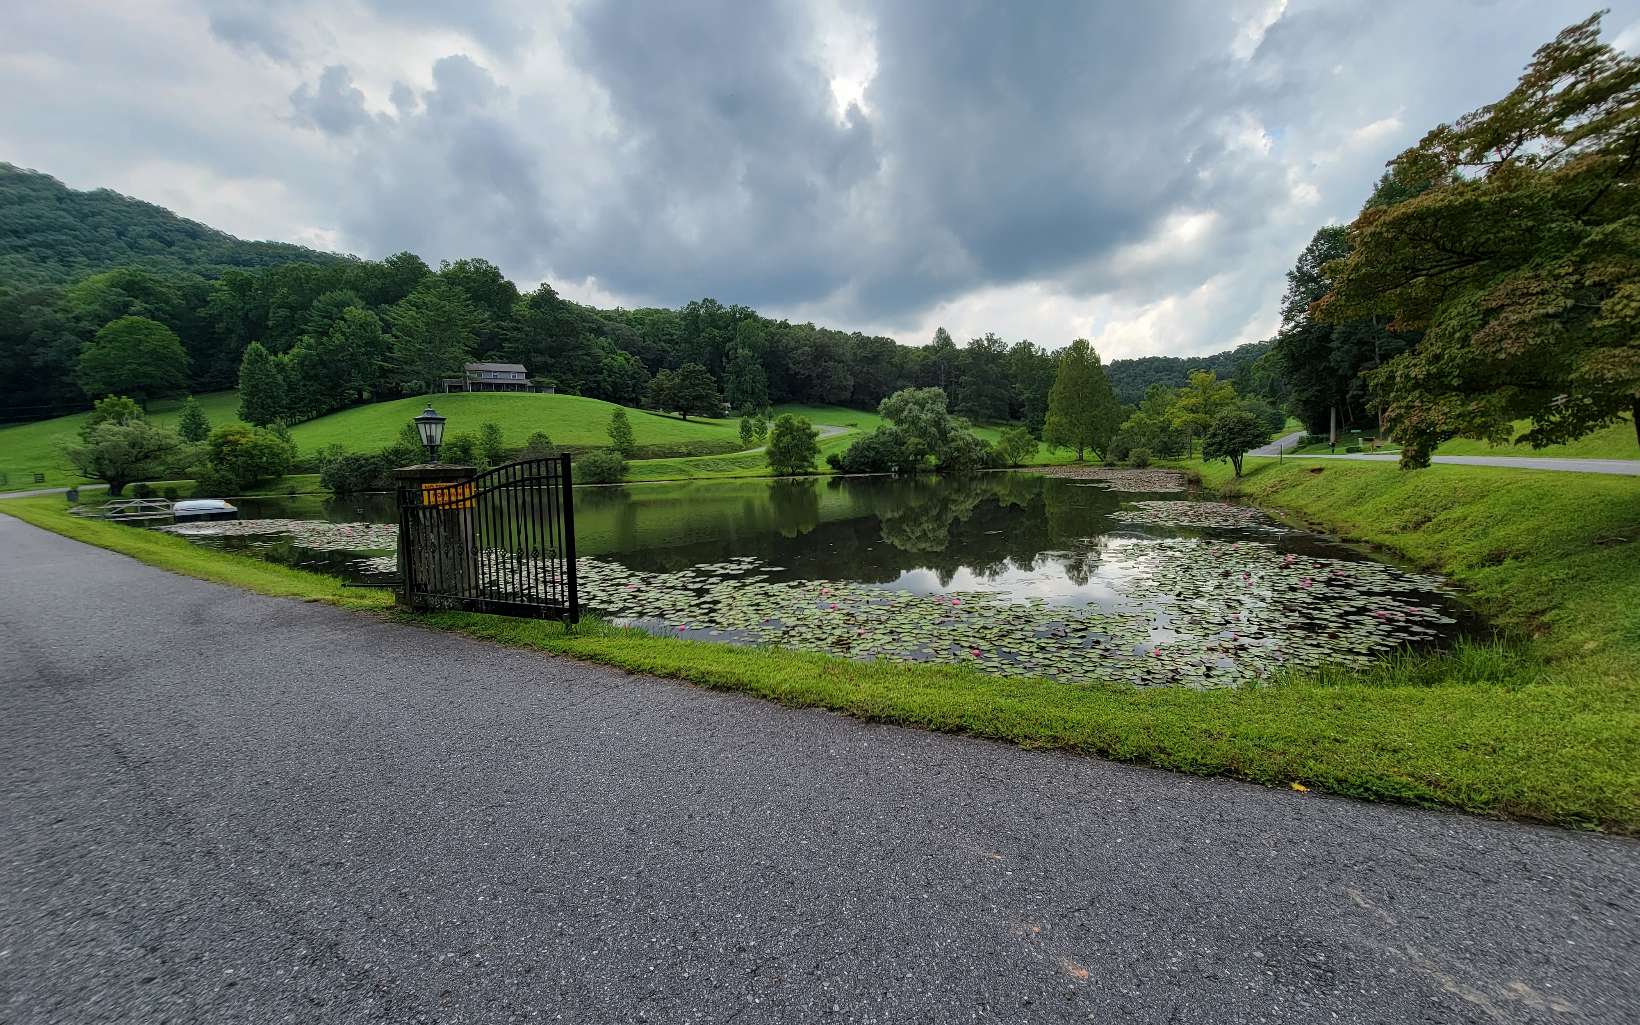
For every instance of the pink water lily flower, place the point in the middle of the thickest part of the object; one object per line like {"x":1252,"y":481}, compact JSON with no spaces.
{"x":974,"y":652}
{"x":1305,"y":582}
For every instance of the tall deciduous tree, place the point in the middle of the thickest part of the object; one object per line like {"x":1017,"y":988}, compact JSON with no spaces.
{"x":433,"y":332}
{"x":1083,"y":413}
{"x":261,"y":386}
{"x":119,"y":453}
{"x":1521,"y":265}
{"x":134,"y":356}
{"x":694,"y":391}
{"x":793,"y":445}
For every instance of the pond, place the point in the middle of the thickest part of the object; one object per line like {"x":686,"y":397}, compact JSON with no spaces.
{"x":1013,"y":573}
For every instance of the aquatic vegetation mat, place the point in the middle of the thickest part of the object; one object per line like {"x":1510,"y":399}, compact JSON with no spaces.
{"x":1213,"y":515}
{"x":1199,"y":611}
{"x":1186,"y":611}
{"x":1117,"y":478}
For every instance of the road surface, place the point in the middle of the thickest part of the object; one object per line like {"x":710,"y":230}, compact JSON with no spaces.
{"x":1622,"y":467}
{"x":229,"y":808}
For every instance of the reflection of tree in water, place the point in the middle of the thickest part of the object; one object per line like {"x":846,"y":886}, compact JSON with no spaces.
{"x":796,"y":506}
{"x":985,"y":523}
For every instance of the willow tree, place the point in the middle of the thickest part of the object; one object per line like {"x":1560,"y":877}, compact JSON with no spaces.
{"x":1083,"y":413}
{"x":1521,"y":264}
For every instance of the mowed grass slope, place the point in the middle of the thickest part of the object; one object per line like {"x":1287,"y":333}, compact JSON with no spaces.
{"x":567,"y":419}
{"x":26,"y":449}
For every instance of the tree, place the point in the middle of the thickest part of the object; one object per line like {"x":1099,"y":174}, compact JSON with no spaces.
{"x":745,"y":385}
{"x":985,"y":392}
{"x":261,"y":387}
{"x":118,"y":453}
{"x":688,"y":390}
{"x":923,"y":422}
{"x":192,"y":424}
{"x":433,"y":332}
{"x":492,"y":447}
{"x":793,"y":445}
{"x":1231,"y":434}
{"x":238,"y":456}
{"x":753,"y":430}
{"x":1198,"y":403}
{"x":1521,"y":264}
{"x":134,"y":356}
{"x":884,"y":450}
{"x":1083,"y":413}
{"x":620,"y":433}
{"x":539,"y":446}
{"x":601,"y":466}
{"x":117,"y":409}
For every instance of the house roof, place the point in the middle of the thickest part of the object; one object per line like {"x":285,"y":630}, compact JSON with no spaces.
{"x":517,"y":368}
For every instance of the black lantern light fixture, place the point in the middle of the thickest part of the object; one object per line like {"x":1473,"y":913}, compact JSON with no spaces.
{"x":431,"y":428}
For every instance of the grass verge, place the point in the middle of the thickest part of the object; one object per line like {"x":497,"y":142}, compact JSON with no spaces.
{"x":1542,"y":727}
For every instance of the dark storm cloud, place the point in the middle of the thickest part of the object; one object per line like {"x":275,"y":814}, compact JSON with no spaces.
{"x":734,"y":163}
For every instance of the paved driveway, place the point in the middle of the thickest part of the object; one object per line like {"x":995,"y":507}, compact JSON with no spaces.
{"x":220,"y":807}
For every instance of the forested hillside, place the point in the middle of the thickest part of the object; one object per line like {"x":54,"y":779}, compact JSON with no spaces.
{"x":50,"y":233}
{"x":84,"y":274}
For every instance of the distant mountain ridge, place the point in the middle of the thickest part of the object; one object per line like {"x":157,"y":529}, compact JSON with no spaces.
{"x":50,"y":234}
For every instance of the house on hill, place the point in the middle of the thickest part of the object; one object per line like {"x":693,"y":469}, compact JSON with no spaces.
{"x":491,"y":377}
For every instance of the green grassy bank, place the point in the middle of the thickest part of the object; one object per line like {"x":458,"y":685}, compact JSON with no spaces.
{"x":1544,"y":726}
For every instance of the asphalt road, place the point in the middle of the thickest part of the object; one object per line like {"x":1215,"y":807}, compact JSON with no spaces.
{"x":1621,"y":467}
{"x":228,"y":808}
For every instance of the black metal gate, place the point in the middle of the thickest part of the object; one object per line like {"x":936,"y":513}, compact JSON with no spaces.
{"x":502,"y":541}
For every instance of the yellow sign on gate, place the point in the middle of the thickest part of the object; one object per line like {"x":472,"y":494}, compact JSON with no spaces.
{"x":448,"y":495}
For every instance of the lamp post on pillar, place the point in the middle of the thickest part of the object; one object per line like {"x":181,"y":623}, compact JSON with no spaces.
{"x":431,"y":428}
{"x":438,"y":545}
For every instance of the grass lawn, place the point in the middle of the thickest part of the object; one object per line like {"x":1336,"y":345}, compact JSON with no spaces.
{"x":1544,"y":725}
{"x":567,"y":419}
{"x":26,"y":449}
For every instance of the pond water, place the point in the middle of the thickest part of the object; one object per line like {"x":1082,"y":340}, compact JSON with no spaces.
{"x":1013,"y":573}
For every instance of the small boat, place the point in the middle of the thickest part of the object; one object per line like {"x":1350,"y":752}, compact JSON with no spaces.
{"x":203,"y":510}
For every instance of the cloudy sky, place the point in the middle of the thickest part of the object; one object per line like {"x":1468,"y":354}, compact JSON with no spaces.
{"x":1140,"y":173}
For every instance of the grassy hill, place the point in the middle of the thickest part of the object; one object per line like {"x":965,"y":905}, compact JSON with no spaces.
{"x":569,"y":420}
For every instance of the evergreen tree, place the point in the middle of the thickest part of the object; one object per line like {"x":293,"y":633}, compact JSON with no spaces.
{"x":433,"y":332}
{"x":1083,"y":413}
{"x":192,"y":424}
{"x":620,"y":433}
{"x":261,"y":387}
{"x":745,"y":385}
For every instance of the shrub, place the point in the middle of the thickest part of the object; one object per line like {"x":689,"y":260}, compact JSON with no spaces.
{"x":351,"y":474}
{"x":171,"y":493}
{"x":1352,"y":448}
{"x":461,"y":449}
{"x":602,"y":466}
{"x":884,"y":450}
{"x":1313,"y":439}
{"x":965,"y":453}
{"x":239,"y":456}
{"x":793,"y":445}
{"x":1015,"y":447}
{"x":142,"y":490}
{"x":538,"y":446}
{"x":753,"y":429}
{"x":1139,"y":457}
